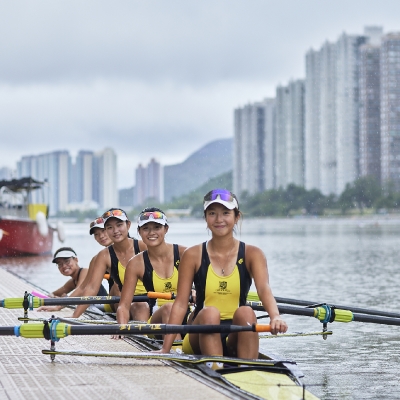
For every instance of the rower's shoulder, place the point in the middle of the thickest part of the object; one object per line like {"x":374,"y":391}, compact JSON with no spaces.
{"x":181,"y":249}
{"x":193,"y":251}
{"x":253,"y":251}
{"x":103,"y":256}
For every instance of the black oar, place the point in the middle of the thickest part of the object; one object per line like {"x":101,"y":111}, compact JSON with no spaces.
{"x":307,"y":303}
{"x":326,"y":313}
{"x":54,"y":329}
{"x":30,"y":302}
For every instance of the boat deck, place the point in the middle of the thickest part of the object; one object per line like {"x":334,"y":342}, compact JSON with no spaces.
{"x":26,"y":373}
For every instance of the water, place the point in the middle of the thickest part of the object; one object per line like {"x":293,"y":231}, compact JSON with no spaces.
{"x":352,"y":261}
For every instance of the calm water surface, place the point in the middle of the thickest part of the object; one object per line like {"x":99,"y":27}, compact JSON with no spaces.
{"x":338,"y":261}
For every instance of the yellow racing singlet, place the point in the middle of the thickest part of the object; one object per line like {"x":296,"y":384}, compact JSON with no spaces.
{"x":165,"y":285}
{"x":140,"y":289}
{"x":223,"y":292}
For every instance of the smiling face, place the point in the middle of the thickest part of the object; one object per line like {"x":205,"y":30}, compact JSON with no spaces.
{"x":116,"y":229}
{"x":101,"y":237}
{"x":153,"y":233}
{"x":220,"y":220}
{"x":67,"y":266}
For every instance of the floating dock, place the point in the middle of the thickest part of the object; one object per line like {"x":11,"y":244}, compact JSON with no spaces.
{"x":26,"y":373}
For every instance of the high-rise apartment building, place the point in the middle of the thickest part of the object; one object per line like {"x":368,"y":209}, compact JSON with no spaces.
{"x":84,"y":175}
{"x":370,"y":132}
{"x":312,"y":120}
{"x":6,"y":173}
{"x":149,"y":183}
{"x":105,"y":178}
{"x":54,"y":168}
{"x":249,"y":146}
{"x":327,"y":120}
{"x":347,"y":108}
{"x":269,"y":144}
{"x":289,"y":135}
{"x":390,"y":109}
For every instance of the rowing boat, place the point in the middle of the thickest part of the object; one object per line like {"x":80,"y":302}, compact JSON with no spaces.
{"x":268,"y":377}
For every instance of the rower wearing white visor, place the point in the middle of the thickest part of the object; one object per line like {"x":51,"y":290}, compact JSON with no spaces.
{"x":157,"y":267}
{"x":113,"y":260}
{"x":222,"y":270}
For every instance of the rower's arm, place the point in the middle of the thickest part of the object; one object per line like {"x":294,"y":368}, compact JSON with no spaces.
{"x":64,"y":290}
{"x":257,"y":263}
{"x":80,"y":289}
{"x":132,"y":274}
{"x":187,"y":269}
{"x":92,"y":285}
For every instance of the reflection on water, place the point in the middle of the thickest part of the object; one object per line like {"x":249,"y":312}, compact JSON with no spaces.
{"x":335,"y":261}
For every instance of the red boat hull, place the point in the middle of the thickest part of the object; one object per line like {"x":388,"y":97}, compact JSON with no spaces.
{"x":22,"y":238}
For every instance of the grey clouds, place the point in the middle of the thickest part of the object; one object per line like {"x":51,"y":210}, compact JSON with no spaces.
{"x":153,"y":78}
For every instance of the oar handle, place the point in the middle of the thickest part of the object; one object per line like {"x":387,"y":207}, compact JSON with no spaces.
{"x":262,"y":328}
{"x":164,"y":296}
{"x":55,"y":330}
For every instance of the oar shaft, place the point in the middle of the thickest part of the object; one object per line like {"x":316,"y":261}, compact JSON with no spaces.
{"x":57,"y":330}
{"x":35,"y":302}
{"x":308,"y":303}
{"x":338,"y":314}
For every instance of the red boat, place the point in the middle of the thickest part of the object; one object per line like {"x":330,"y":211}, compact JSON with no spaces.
{"x":24,"y":229}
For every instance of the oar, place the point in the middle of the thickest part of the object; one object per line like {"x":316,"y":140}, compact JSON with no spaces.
{"x":185,"y":358}
{"x":326,"y":313}
{"x":54,"y":329}
{"x":253,"y":296}
{"x":30,"y":302}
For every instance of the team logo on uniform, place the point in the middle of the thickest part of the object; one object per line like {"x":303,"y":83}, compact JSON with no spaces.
{"x":223,"y":285}
{"x":177,"y":263}
{"x":167,"y":286}
{"x":240,"y":261}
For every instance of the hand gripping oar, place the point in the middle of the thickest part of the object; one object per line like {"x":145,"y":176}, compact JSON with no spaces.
{"x":252,"y":296}
{"x":55,"y":330}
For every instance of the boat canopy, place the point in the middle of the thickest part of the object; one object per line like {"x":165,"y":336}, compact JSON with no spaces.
{"x":17,"y":185}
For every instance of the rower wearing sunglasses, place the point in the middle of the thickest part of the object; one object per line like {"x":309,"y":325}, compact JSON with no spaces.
{"x":157,"y":267}
{"x":222,"y":270}
{"x":114,"y":259}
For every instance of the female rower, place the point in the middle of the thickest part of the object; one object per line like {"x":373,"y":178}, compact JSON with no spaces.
{"x":156,"y":267}
{"x":97,"y":230}
{"x":67,"y":262}
{"x":222,"y":270}
{"x":114,"y":259}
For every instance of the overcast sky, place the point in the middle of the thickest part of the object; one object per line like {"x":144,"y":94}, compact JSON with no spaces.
{"x":153,"y":78}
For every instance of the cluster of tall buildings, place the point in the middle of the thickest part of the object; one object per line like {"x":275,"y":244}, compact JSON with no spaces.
{"x":339,"y":123}
{"x":88,"y":182}
{"x":149,"y":183}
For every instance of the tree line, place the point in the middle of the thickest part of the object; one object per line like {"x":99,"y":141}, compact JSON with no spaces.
{"x":364,"y":193}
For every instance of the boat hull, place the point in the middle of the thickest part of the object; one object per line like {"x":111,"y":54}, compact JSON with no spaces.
{"x":21,"y":237}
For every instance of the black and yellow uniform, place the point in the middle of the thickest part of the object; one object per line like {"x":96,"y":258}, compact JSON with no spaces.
{"x":154,"y":283}
{"x":225,"y":292}
{"x":117,"y":272}
{"x":102,"y":291}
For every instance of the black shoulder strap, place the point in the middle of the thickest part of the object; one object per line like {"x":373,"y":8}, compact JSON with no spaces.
{"x":148,"y":273}
{"x":245,"y":278}
{"x":114,"y":267}
{"x":136,"y":246}
{"x":77,"y":279}
{"x":177,"y":258}
{"x":200,"y":279}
